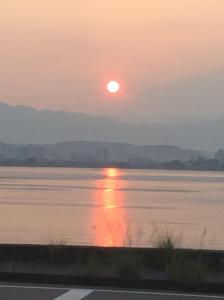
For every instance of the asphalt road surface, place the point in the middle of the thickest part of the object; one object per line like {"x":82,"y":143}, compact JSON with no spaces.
{"x":23,"y":292}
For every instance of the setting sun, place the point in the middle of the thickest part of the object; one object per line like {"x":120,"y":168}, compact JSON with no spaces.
{"x":112,"y":172}
{"x":113,"y":86}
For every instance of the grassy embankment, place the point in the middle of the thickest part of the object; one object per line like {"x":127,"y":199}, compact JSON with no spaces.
{"x":166,"y":261}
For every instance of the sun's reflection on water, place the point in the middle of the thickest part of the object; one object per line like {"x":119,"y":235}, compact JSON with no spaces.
{"x":109,"y":218}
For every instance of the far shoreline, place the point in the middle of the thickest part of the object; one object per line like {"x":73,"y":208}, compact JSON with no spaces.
{"x":122,"y":166}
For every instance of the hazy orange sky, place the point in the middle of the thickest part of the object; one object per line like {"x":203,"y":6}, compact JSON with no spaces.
{"x":58,"y":55}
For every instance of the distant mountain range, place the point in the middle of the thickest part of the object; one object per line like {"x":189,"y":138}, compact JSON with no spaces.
{"x":85,"y":152}
{"x":25,"y":125}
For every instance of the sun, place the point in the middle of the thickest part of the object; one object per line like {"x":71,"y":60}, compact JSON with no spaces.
{"x":113,"y":86}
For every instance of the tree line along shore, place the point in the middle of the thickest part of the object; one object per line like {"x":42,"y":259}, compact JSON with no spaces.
{"x":198,"y":163}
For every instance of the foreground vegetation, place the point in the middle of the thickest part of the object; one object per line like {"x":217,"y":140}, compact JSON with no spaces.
{"x":167,"y":261}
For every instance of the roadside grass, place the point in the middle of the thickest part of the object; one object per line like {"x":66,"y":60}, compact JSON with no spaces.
{"x":96,"y":265}
{"x":56,"y":242}
{"x":167,"y":259}
{"x":125,"y":262}
{"x":167,"y":242}
{"x":176,"y":264}
{"x":57,"y":249}
{"x":183,"y":269}
{"x":128,"y":264}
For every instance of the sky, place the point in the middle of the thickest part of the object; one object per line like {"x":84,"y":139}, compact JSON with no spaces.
{"x":167,"y":56}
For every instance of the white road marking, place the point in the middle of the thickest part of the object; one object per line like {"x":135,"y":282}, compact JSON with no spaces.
{"x":74,"y":294}
{"x":77,"y":291}
{"x":78,"y":294}
{"x":162,"y":294}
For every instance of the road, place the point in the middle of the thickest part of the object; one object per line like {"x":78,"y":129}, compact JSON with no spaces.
{"x":28,"y":292}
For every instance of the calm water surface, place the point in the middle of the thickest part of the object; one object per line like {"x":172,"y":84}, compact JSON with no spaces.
{"x":111,"y":207}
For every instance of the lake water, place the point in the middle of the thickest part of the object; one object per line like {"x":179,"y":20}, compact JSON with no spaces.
{"x":111,"y":207}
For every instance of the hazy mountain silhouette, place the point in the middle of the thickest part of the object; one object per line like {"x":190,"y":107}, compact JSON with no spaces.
{"x":89,"y":152}
{"x":24,"y":125}
{"x":195,"y":97}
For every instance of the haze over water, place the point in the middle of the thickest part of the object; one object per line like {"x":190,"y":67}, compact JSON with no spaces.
{"x":166,"y":55}
{"x":111,"y":207}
